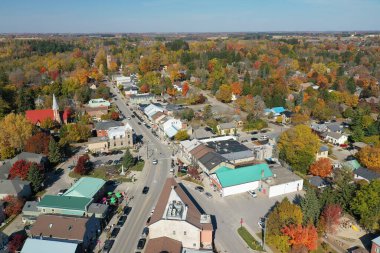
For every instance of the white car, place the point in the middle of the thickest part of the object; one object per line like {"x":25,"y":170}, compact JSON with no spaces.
{"x":253,"y":194}
{"x":155,"y":162}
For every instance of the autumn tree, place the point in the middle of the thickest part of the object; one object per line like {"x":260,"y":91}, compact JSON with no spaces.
{"x":236,"y":88}
{"x":15,"y":242}
{"x":38,"y":143}
{"x":322,"y":168}
{"x":181,"y":135}
{"x":74,"y":132}
{"x":20,"y":169}
{"x":331,"y":217}
{"x":224,"y":93}
{"x":185,"y":89}
{"x":144,"y":88}
{"x":13,"y":205}
{"x":298,"y":146}
{"x":370,"y":157}
{"x":15,"y":130}
{"x":301,"y":236}
{"x":82,"y":165}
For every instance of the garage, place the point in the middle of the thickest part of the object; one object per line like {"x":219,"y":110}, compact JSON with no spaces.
{"x":283,"y":182}
{"x":234,"y":181}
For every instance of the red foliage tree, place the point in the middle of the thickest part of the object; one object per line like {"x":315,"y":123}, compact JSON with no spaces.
{"x":81,"y":167}
{"x":302,"y":236}
{"x":322,"y":168}
{"x":144,"y":88}
{"x":15,"y":243}
{"x":38,"y":143}
{"x":331,"y":217}
{"x":236,"y":88}
{"x":193,"y":172}
{"x":185,"y":89}
{"x":114,"y":116}
{"x":13,"y":205}
{"x":20,"y":169}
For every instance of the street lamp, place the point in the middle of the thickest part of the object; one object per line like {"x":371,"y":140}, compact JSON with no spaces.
{"x":263,"y":227}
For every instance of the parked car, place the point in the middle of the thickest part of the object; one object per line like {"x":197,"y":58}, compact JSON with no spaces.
{"x":208,"y":195}
{"x":199,"y":188}
{"x":109,"y":162}
{"x":148,"y":220}
{"x":121,"y":220}
{"x":145,"y":190}
{"x":129,"y":118}
{"x":155,"y":162}
{"x":107,"y":246}
{"x":127,"y":210}
{"x":115,"y":232}
{"x":253,"y":194}
{"x":145,"y":232}
{"x":61,"y":192}
{"x":141,"y":243}
{"x":139,"y":123}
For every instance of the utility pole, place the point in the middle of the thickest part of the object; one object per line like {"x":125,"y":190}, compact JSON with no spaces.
{"x":265,"y":230}
{"x":147,"y":145}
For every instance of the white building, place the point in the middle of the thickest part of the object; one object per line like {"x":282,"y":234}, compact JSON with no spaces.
{"x":152,"y":109}
{"x":335,"y":138}
{"x":171,"y":127}
{"x":98,"y":102}
{"x":121,"y":80}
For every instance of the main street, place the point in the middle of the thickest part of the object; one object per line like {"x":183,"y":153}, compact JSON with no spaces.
{"x":153,"y":176}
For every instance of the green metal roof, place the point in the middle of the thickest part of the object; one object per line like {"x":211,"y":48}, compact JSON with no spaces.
{"x":353,"y":164}
{"x":85,"y":187}
{"x":64,"y":202}
{"x":230,"y":177}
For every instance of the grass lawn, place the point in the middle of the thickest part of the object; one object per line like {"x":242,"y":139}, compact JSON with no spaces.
{"x":138,"y":166}
{"x":249,"y":239}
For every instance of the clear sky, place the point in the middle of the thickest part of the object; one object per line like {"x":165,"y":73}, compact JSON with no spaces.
{"x":96,"y":16}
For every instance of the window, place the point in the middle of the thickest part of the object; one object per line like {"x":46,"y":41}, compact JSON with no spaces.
{"x":43,"y":210}
{"x":121,"y":137}
{"x":194,"y":244}
{"x":173,"y":232}
{"x":184,"y":233}
{"x":52,"y":210}
{"x":114,"y":144}
{"x":121,"y":143}
{"x":114,"y":137}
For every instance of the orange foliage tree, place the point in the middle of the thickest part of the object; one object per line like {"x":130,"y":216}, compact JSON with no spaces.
{"x":185,"y":89}
{"x":301,"y":236}
{"x":236,"y":88}
{"x":331,"y":217}
{"x":144,"y":88}
{"x":38,"y":143}
{"x":322,"y":168}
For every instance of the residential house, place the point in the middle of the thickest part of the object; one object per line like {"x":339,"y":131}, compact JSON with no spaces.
{"x":16,"y":188}
{"x":30,"y":212}
{"x":96,"y":113}
{"x":318,"y":182}
{"x":275,"y":111}
{"x":177,"y":218}
{"x":36,"y":117}
{"x":27,"y":156}
{"x":202,"y":133}
{"x":323,"y":152}
{"x":47,"y":246}
{"x":365,"y":174}
{"x":352,"y":164}
{"x":130,"y":90}
{"x":122,"y":80}
{"x":171,"y":109}
{"x":234,"y":181}
{"x":227,"y":128}
{"x":145,"y":98}
{"x":96,"y":102}
{"x":286,"y":117}
{"x":375,"y":245}
{"x":335,"y":138}
{"x":78,"y":230}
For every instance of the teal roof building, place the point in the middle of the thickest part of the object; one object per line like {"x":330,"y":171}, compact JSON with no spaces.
{"x":64,"y":205}
{"x":85,"y":187}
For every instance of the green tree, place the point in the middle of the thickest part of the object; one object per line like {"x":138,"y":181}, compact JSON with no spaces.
{"x":366,"y":205}
{"x":207,"y":112}
{"x":224,"y":93}
{"x":350,"y":85}
{"x":128,"y":159}
{"x":298,"y":146}
{"x":36,"y":177}
{"x":310,"y":207}
{"x":181,"y":135}
{"x":54,"y":151}
{"x":25,"y":100}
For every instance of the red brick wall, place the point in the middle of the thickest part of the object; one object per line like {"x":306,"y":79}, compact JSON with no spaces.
{"x":101,"y":133}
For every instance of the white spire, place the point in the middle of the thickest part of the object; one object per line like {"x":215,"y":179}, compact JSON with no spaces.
{"x":55,"y":104}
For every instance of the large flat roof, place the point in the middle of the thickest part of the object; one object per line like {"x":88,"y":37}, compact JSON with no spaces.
{"x":46,"y":246}
{"x":65,"y":202}
{"x":85,"y":187}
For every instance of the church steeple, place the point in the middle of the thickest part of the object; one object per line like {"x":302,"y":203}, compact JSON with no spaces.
{"x":55,"y":108}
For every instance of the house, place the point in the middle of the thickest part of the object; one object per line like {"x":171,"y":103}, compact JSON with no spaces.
{"x":177,"y":218}
{"x":87,"y":187}
{"x":121,"y":80}
{"x":16,"y":188}
{"x":30,"y":212}
{"x":36,"y":117}
{"x":234,"y":181}
{"x":352,"y":164}
{"x":359,"y":145}
{"x":202,"y":133}
{"x":27,"y":156}
{"x":170,"y":109}
{"x":365,"y":174}
{"x":98,"y":102}
{"x":227,"y":128}
{"x":286,"y":117}
{"x":66,"y":205}
{"x":152,"y":109}
{"x":275,"y":111}
{"x":145,"y":98}
{"x":375,"y":245}
{"x":335,"y":138}
{"x":171,"y":127}
{"x":45,"y":246}
{"x":78,"y":230}
{"x":96,"y":113}
{"x":130,"y":89}
{"x":318,"y":182}
{"x":323,"y":152}
{"x":103,"y":127}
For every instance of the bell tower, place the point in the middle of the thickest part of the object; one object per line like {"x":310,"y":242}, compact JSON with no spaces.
{"x":55,"y":109}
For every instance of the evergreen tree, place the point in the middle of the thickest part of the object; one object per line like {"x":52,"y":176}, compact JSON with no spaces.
{"x":350,"y":85}
{"x":54,"y":151}
{"x":25,"y":100}
{"x":310,"y":207}
{"x":36,"y":177}
{"x":128,"y":160}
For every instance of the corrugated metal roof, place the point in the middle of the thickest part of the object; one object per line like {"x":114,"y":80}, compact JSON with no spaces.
{"x":65,"y":202}
{"x":46,"y":246}
{"x":85,"y":187}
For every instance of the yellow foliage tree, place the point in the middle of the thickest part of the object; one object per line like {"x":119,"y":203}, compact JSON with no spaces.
{"x":370,"y":157}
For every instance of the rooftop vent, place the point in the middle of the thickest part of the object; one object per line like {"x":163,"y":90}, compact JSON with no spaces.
{"x":50,"y":225}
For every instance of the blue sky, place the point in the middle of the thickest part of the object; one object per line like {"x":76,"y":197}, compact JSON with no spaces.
{"x":93,"y":16}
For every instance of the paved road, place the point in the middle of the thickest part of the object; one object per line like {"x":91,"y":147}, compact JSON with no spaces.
{"x":153,"y":176}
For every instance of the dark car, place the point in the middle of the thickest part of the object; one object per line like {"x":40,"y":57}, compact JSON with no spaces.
{"x":121,"y":221}
{"x":107,"y":246}
{"x":127,"y":210}
{"x":141,"y":243}
{"x":199,"y":188}
{"x":145,"y":190}
{"x":133,"y":116}
{"x":139,"y":123}
{"x":145,"y":232}
{"x":148,"y":220}
{"x":115,"y":232}
{"x":109,"y":162}
{"x":61,"y":192}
